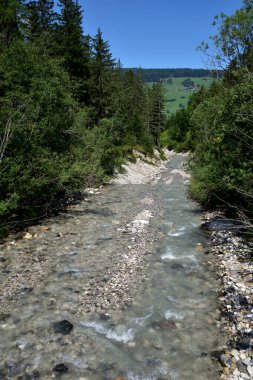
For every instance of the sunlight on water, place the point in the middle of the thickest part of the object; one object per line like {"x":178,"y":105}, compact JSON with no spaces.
{"x":119,"y":334}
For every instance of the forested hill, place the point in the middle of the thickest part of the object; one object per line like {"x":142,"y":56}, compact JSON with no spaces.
{"x":155,"y":75}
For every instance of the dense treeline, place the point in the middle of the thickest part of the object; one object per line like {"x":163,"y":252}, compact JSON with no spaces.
{"x":156,"y":75}
{"x":68,"y":113}
{"x":218,"y":122}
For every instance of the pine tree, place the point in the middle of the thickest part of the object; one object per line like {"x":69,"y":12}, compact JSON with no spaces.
{"x":41,"y":17}
{"x":9,"y":27}
{"x":248,"y":5}
{"x":103,"y":77}
{"x":130,"y":106}
{"x":157,"y":114}
{"x":74,"y":47}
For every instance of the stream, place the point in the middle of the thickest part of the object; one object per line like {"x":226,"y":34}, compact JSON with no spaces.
{"x":153,"y":319}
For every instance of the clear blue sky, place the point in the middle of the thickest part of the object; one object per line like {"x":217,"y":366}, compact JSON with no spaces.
{"x":155,"y":33}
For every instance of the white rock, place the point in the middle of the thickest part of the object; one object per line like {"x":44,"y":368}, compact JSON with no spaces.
{"x":244,"y":376}
{"x":250,"y":371}
{"x":246,"y":361}
{"x":236,"y":372}
{"x":234,"y":353}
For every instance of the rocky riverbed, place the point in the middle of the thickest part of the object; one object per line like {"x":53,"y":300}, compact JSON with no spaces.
{"x":25,"y":257}
{"x":235,"y":264}
{"x":121,"y":286}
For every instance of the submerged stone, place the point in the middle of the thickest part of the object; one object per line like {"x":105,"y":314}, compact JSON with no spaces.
{"x":103,"y":367}
{"x":218,"y":224}
{"x":152,"y":362}
{"x":33,"y":376}
{"x":61,"y":368}
{"x":104,"y":317}
{"x":168,"y":325}
{"x":177,"y":266}
{"x":3,"y":317}
{"x":165,"y":324}
{"x":63,"y":327}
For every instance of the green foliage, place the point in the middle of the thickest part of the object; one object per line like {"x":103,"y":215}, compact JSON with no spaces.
{"x":223,"y":125}
{"x":68,"y":115}
{"x":102,"y":78}
{"x":175,"y":93}
{"x":156,"y":117}
{"x":166,"y":75}
{"x":217,"y":123}
{"x":232,"y":46}
{"x":33,"y":86}
{"x":41,"y":18}
{"x":73,"y":48}
{"x":221,"y":120}
{"x":9,"y":204}
{"x":188,"y":83}
{"x":130,"y":104}
{"x":177,"y":130}
{"x":9,"y":29}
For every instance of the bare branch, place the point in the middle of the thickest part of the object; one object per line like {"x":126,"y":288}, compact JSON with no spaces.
{"x":8,"y":129}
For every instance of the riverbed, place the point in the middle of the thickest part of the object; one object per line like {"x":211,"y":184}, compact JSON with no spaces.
{"x":118,"y":286}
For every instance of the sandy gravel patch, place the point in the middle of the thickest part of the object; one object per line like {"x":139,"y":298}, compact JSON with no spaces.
{"x":144,"y":170}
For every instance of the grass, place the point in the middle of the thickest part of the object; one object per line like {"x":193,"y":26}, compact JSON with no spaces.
{"x":177,"y":95}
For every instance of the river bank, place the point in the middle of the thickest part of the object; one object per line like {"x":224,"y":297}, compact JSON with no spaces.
{"x":234,"y":254}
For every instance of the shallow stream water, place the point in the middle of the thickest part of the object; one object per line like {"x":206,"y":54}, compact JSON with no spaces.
{"x":169,"y":330}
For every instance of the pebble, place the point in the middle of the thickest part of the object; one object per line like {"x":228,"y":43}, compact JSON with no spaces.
{"x":225,"y":360}
{"x":244,"y":376}
{"x":250,"y":371}
{"x":61,"y":368}
{"x":235,"y":291}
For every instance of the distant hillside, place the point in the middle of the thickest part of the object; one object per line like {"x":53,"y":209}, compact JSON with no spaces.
{"x":156,"y":75}
{"x":177,"y":91}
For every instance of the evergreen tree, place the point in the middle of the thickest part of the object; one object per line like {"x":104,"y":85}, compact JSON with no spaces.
{"x":9,"y":28}
{"x":41,"y":18}
{"x":130,"y":108}
{"x":248,"y":5}
{"x":157,"y":113}
{"x":103,"y":77}
{"x":74,"y":47}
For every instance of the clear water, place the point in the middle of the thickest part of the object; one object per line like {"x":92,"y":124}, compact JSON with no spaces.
{"x":167,"y":332}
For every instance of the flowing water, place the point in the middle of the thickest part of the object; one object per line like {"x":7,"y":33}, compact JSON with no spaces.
{"x":167,"y":332}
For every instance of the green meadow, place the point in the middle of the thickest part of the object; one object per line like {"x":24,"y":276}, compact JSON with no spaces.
{"x":177,"y":95}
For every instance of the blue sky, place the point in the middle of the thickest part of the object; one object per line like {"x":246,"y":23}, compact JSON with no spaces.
{"x":155,"y":33}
